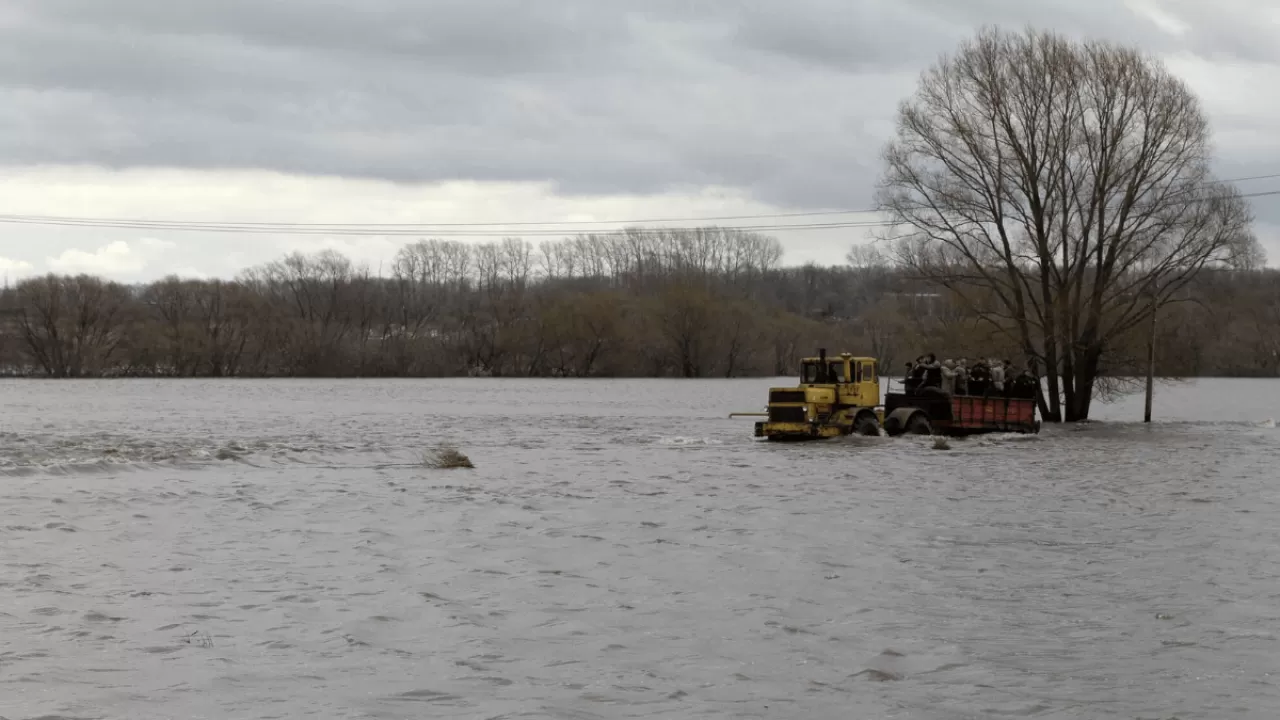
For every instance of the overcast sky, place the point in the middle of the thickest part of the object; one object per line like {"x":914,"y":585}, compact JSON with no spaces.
{"x":490,"y":111}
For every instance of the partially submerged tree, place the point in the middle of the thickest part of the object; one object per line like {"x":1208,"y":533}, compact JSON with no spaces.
{"x":1062,"y":191}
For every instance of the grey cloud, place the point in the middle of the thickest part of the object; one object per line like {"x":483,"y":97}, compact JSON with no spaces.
{"x":857,"y":37}
{"x":481,"y":37}
{"x":1230,"y":30}
{"x":786,"y":100}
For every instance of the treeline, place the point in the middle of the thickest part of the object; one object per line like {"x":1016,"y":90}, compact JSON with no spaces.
{"x":712,"y":302}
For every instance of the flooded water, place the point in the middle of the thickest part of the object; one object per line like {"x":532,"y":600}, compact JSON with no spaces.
{"x":277,"y":549}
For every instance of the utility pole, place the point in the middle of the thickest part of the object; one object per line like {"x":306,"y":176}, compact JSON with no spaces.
{"x":1151,"y":365}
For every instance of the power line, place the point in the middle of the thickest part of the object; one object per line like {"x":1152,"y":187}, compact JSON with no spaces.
{"x":1251,"y":177}
{"x":417,"y":226}
{"x":410,"y":229}
{"x":402,"y":232}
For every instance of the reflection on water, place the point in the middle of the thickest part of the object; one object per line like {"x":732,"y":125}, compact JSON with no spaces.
{"x":277,"y":549}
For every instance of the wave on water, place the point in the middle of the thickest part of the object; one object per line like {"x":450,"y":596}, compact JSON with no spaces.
{"x":681,"y":440}
{"x":62,"y":454}
{"x":24,"y":455}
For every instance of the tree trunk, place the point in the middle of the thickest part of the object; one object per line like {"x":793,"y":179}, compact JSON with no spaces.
{"x":1050,"y":403}
{"x":1070,"y":387}
{"x":1086,"y":373}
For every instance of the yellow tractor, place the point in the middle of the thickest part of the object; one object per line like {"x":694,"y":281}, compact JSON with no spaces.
{"x":836,"y":396}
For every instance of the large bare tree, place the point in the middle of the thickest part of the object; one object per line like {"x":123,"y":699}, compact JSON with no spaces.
{"x":1063,"y":191}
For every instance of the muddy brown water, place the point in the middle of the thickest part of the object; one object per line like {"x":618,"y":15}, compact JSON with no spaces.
{"x":275,"y":549}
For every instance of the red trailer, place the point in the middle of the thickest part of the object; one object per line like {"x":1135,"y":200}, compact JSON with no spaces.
{"x":930,"y":411}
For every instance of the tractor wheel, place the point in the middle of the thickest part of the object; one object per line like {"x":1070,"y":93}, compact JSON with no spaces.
{"x":866,"y":425}
{"x":919,"y":425}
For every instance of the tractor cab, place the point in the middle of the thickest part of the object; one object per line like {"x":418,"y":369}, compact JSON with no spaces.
{"x":852,"y":378}
{"x":816,"y":371}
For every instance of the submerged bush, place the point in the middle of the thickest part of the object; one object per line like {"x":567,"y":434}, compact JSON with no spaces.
{"x":447,"y":457}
